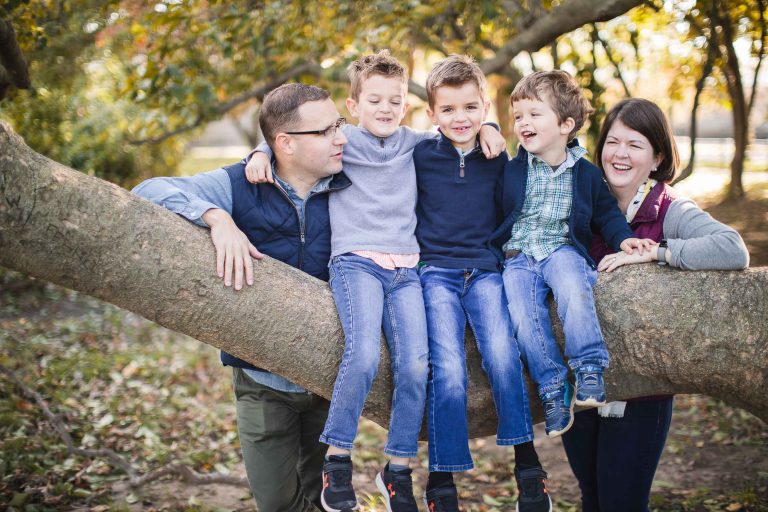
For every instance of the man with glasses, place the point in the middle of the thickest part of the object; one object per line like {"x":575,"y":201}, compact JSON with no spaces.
{"x":279,"y":422}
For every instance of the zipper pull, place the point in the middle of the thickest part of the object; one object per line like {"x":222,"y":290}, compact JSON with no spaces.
{"x":461,"y":167}
{"x":302,"y":237}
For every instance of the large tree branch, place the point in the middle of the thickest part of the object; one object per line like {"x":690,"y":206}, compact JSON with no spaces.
{"x":565,"y":17}
{"x":703,"y":333}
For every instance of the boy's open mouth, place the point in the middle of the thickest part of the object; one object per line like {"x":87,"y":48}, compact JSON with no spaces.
{"x":528,"y":135}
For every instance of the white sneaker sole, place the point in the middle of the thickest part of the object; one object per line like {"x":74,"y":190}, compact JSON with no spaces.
{"x":383,"y":490}
{"x":331,"y":509}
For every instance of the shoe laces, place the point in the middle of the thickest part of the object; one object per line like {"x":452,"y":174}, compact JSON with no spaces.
{"x":589,"y":378}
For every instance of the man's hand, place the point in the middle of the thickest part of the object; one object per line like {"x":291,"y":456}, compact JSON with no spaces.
{"x":233,"y":250}
{"x":491,"y":141}
{"x":641,"y":244}
{"x":259,"y":169}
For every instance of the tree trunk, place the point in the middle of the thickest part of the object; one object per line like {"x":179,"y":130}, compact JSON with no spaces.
{"x":668,"y":331}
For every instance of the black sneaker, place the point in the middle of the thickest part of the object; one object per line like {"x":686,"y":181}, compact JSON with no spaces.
{"x":338,"y":494}
{"x":532,"y":495}
{"x":397,"y":489}
{"x":442,"y":499}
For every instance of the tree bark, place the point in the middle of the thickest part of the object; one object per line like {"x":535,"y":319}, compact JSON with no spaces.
{"x":11,"y":58}
{"x":668,"y":331}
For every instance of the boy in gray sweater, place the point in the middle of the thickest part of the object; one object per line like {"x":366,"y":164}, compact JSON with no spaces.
{"x":374,"y":254}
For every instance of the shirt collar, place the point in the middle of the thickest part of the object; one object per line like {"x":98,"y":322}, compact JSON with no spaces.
{"x":320,"y":186}
{"x":572,"y":155}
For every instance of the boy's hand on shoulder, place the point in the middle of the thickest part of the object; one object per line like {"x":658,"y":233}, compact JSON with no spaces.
{"x":491,"y":141}
{"x":259,"y":169}
{"x":233,"y":250}
{"x":641,"y":244}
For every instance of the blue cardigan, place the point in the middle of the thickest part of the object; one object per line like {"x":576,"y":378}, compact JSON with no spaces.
{"x":593,"y":205}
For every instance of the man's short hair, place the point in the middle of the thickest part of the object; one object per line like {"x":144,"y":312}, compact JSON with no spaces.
{"x":454,"y":71}
{"x":562,"y":93}
{"x":379,"y":63}
{"x":280,"y":108}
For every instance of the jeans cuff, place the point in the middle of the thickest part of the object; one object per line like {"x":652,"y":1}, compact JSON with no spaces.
{"x":400,"y":453}
{"x":451,"y":469}
{"x":575,"y":365}
{"x":338,"y":444}
{"x":514,"y":440}
{"x":550,"y":387}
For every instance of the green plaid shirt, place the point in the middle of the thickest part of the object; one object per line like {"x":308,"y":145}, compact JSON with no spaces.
{"x":543,"y":223}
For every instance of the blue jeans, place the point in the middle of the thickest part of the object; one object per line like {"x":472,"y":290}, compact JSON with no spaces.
{"x":452,"y":298}
{"x":368,"y":296}
{"x":615,"y":459}
{"x":569,"y":276}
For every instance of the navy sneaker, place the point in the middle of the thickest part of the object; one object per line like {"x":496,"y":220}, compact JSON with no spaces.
{"x":590,"y":387}
{"x":558,"y":410}
{"x":532,"y":495}
{"x":338,"y":495}
{"x":397,"y":489}
{"x":442,"y":499}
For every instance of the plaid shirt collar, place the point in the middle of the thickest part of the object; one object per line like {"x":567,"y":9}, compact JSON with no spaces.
{"x":572,"y":155}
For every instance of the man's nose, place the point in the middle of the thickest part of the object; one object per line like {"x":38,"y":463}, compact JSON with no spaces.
{"x":339,"y":138}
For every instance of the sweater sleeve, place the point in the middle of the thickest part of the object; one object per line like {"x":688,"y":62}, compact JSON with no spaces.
{"x":608,"y":217}
{"x":189,"y":196}
{"x":699,"y":242}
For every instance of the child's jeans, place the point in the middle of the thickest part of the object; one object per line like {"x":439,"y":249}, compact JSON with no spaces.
{"x":569,"y":276}
{"x":368,"y":296}
{"x":452,"y":298}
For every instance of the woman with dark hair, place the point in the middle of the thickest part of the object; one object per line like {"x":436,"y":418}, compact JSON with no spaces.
{"x":614,"y":450}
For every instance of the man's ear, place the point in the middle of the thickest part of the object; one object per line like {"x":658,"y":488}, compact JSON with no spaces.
{"x":285,"y":143}
{"x":352,"y":107}
{"x":567,"y":126}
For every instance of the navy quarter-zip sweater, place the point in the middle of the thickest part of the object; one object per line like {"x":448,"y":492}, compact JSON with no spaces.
{"x":456,"y":213}
{"x":592,"y":205}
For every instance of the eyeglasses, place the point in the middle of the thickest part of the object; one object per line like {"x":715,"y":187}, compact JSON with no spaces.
{"x":330,"y":131}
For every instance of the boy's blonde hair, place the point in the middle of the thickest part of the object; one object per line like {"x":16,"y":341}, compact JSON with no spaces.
{"x":454,"y":71}
{"x":563,"y":94}
{"x":379,"y":63}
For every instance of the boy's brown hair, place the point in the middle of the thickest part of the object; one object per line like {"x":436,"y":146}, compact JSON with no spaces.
{"x":379,"y":63}
{"x":454,"y":71}
{"x":562,"y":93}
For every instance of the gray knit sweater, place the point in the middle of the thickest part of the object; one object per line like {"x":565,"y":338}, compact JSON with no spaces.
{"x":699,"y":242}
{"x":378,"y":212}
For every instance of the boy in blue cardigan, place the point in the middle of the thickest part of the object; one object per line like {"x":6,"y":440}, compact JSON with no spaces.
{"x":551,"y":196}
{"x":462,"y":286}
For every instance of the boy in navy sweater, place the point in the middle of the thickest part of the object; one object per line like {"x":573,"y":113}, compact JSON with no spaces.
{"x":462,"y":284}
{"x":551,"y":196}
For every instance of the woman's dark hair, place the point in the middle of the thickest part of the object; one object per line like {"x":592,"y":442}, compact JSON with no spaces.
{"x":644,"y":117}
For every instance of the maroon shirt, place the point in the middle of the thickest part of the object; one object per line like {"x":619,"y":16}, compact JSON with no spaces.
{"x":648,"y":221}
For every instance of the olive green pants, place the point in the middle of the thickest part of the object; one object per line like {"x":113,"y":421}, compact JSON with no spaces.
{"x":279,"y":435}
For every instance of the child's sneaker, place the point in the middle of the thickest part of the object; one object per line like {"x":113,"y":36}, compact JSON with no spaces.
{"x":338,"y":494}
{"x":558,"y":410}
{"x":442,"y":499}
{"x":532,"y":495}
{"x":397,"y":489}
{"x":590,"y":387}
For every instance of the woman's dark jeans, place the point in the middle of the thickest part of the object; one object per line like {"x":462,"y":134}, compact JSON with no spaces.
{"x":615,"y":459}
